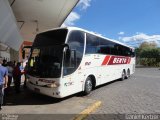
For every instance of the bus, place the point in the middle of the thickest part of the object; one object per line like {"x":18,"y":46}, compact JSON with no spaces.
{"x":65,"y":61}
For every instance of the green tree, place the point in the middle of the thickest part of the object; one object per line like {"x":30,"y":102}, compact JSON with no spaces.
{"x":145,"y":45}
{"x":148,"y":54}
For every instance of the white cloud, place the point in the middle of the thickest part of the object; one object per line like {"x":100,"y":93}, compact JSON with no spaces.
{"x":121,"y":33}
{"x":141,"y":37}
{"x":84,"y":4}
{"x":73,"y":16}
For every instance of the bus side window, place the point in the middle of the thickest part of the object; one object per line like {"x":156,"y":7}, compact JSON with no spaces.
{"x":92,"y":44}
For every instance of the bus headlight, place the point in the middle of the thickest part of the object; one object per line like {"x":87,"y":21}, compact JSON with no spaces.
{"x":53,"y":85}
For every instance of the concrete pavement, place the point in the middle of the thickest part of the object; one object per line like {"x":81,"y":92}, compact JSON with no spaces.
{"x":28,"y":105}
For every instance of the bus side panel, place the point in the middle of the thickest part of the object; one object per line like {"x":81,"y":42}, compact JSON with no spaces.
{"x":93,"y":65}
{"x":90,"y":65}
{"x":71,"y":84}
{"x":107,"y":72}
{"x":133,"y":64}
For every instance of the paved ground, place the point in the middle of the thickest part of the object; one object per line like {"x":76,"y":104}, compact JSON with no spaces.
{"x":137,"y":95}
{"x":27,"y":105}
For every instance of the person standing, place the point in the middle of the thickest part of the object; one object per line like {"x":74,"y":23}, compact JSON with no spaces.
{"x":4,"y":63}
{"x":3,"y":81}
{"x":17,"y":77}
{"x":10,"y":71}
{"x":25,"y":74}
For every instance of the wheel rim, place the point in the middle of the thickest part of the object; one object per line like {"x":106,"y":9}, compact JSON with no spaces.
{"x":89,"y":85}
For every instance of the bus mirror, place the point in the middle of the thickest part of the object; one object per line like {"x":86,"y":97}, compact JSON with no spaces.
{"x":68,"y":54}
{"x":66,"y":46}
{"x":23,"y":54}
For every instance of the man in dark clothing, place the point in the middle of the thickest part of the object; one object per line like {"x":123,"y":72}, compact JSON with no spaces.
{"x":3,"y":81}
{"x":17,"y":77}
{"x":4,"y":63}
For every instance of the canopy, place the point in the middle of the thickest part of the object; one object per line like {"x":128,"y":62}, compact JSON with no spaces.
{"x":32,"y":17}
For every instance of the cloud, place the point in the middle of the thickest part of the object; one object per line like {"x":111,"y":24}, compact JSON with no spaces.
{"x":74,"y":16}
{"x":84,"y":4}
{"x":121,"y":33}
{"x":70,"y":21}
{"x":141,"y":37}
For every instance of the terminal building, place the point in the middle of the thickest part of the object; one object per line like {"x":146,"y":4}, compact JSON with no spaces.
{"x":21,"y":20}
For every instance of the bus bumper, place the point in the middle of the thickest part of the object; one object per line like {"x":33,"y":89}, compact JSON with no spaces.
{"x":52,"y":92}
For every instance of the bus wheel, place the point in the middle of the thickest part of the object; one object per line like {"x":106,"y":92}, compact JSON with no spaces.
{"x":123,"y":75}
{"x":88,"y":86}
{"x":128,"y":74}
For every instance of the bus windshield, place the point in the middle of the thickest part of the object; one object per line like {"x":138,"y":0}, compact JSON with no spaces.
{"x":46,"y":54}
{"x":46,"y":62}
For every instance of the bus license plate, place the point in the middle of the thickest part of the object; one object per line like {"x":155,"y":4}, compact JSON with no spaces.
{"x":37,"y":90}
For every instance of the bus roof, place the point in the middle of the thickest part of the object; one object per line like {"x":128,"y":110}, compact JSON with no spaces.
{"x":96,"y":34}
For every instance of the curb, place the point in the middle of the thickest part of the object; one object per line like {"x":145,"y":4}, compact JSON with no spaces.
{"x":82,"y":115}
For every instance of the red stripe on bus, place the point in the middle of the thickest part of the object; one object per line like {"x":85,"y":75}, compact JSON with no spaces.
{"x":118,"y":60}
{"x":105,"y":61}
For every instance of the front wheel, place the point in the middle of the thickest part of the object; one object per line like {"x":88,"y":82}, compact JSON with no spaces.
{"x":88,"y":86}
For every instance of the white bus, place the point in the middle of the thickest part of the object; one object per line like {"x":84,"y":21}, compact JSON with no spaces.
{"x":69,"y":60}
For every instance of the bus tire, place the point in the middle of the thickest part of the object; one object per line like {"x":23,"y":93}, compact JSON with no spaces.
{"x":88,"y":86}
{"x":128,"y":74}
{"x":123,"y":75}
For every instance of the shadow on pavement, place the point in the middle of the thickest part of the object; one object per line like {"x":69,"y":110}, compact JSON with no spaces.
{"x":27,"y":97}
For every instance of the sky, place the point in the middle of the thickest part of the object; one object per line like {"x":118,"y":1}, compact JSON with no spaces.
{"x":128,"y":21}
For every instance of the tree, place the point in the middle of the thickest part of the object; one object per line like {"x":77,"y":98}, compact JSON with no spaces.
{"x":148,"y":54}
{"x":145,"y":45}
{"x":153,"y":44}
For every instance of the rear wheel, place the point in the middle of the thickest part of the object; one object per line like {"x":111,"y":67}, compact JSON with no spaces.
{"x":123,"y":75}
{"x":88,"y":86}
{"x":128,"y":74}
